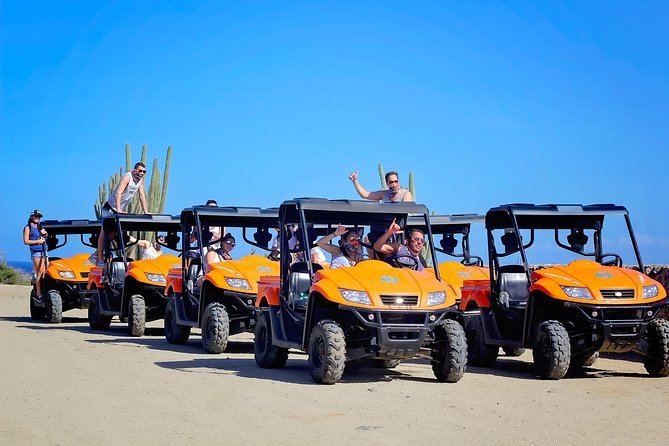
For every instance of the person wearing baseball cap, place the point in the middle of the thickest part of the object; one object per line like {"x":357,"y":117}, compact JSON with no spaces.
{"x":35,"y":237}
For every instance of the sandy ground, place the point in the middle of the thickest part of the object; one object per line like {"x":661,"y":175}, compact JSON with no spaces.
{"x":64,"y":384}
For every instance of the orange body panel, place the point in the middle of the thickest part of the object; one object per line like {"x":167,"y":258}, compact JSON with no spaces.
{"x":95,"y":278}
{"x":594,"y":277}
{"x":374,"y":277}
{"x":268,"y":291}
{"x":455,"y":274}
{"x":250,"y":268}
{"x":475,"y":294}
{"x":174,"y":281}
{"x":139,"y":269}
{"x":78,"y":265}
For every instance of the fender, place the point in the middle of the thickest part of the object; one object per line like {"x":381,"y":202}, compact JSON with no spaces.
{"x":174,"y":281}
{"x":95,"y":278}
{"x":475,"y":293}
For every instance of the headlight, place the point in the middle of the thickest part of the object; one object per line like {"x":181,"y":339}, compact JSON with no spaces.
{"x":436,"y":298}
{"x":155,"y":277}
{"x":359,"y":297}
{"x":70,"y":275}
{"x":576,"y":292}
{"x":238,"y":283}
{"x":650,"y":291}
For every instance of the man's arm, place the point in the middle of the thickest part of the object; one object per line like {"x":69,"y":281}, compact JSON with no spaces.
{"x":142,"y":197}
{"x":376,"y":196}
{"x":144,"y":244}
{"x":408,"y":196}
{"x":121,"y":188}
{"x":388,"y":248}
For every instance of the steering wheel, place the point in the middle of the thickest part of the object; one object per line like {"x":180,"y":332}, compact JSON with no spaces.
{"x":405,"y":261}
{"x":615,"y":261}
{"x":472,"y":261}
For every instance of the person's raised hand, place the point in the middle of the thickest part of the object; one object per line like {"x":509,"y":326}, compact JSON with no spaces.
{"x":340,"y":230}
{"x":394,"y":228}
{"x":354,"y":176}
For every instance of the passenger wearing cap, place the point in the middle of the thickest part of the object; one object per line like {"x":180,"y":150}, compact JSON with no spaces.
{"x":35,"y":237}
{"x":151,"y":250}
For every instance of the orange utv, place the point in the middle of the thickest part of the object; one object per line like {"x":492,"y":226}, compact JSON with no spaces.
{"x":132,"y":289}
{"x":218,"y":297}
{"x":64,"y":283}
{"x":368,"y":311}
{"x":569,"y":313}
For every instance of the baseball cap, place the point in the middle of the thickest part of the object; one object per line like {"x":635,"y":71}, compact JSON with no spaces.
{"x":36,"y":213}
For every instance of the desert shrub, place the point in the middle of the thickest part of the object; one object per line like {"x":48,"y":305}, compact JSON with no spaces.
{"x":8,"y":275}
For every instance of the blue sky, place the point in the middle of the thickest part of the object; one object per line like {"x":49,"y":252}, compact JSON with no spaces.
{"x":486,"y":102}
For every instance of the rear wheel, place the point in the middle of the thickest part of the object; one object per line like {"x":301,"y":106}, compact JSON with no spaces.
{"x":657,"y":336}
{"x":268,"y":356}
{"x":36,"y":313}
{"x":449,"y":352}
{"x":136,"y":315}
{"x":327,"y":352}
{"x":513,"y":351}
{"x":552,"y":350}
{"x":215,"y":328}
{"x":96,"y":320}
{"x":53,"y":307}
{"x":479,"y":353}
{"x":174,"y":333}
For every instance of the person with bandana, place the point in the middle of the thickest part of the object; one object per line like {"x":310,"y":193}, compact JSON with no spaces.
{"x":394,"y":193}
{"x":348,"y":253}
{"x":35,"y":237}
{"x":119,"y":200}
{"x":414,"y":242}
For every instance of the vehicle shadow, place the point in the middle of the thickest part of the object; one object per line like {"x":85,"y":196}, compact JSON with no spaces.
{"x":194,"y":346}
{"x":28,"y":319}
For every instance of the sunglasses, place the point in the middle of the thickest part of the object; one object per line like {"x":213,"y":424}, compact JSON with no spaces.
{"x":141,"y":171}
{"x":418,"y":240}
{"x":229,"y":242}
{"x":354,"y":239}
{"x":393,"y":182}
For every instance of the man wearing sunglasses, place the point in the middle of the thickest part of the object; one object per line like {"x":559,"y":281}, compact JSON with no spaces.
{"x":413,"y":243}
{"x":395,"y":192}
{"x":119,"y":200}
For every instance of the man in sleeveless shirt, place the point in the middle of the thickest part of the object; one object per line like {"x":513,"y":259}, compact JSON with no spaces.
{"x":119,"y":200}
{"x":394,"y":192}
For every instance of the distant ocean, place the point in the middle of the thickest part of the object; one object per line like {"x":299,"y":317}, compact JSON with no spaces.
{"x":23,"y":266}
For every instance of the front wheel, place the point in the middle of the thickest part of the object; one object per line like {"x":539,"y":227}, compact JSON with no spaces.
{"x":53,"y":307}
{"x":327,"y":352}
{"x":552,"y":350}
{"x":449,"y":352}
{"x":657,"y":336}
{"x":174,"y":333}
{"x":583,"y":360}
{"x":96,"y":320}
{"x":136,"y":315}
{"x":215,"y":328}
{"x":267,"y":355}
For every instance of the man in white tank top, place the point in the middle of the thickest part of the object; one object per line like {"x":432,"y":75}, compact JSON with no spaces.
{"x":119,"y":199}
{"x":394,"y":192}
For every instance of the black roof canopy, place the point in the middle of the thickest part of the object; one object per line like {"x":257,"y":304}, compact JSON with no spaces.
{"x":446,"y":224}
{"x":347,"y":212}
{"x":55,"y":227}
{"x":232,"y":216}
{"x":551,"y":216}
{"x":144,"y":222}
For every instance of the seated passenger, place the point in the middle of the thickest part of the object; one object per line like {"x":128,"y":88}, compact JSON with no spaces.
{"x":414,"y":242}
{"x":151,"y":250}
{"x":223,"y":252}
{"x":348,"y":253}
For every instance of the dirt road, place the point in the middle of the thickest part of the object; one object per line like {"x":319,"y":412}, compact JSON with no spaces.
{"x":64,"y":384}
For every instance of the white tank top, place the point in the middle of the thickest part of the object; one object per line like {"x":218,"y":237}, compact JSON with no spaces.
{"x":127,"y":194}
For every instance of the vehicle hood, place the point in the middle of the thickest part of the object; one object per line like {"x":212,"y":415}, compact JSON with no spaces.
{"x":77,"y":264}
{"x":250,"y":268}
{"x":159,"y":265}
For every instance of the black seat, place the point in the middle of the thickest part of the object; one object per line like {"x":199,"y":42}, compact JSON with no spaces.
{"x":298,"y":284}
{"x":117,"y":273}
{"x":513,"y":280}
{"x":194,"y":269}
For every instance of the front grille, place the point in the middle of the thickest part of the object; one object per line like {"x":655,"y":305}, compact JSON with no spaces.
{"x":623,"y":314}
{"x":617,"y":294}
{"x":84,"y":274}
{"x":403,"y":318}
{"x":399,"y":300}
